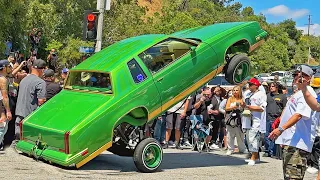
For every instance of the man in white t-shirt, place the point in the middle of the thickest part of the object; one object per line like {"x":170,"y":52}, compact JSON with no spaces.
{"x":295,"y":132}
{"x":256,"y":103}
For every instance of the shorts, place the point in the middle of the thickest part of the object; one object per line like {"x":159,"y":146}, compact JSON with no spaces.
{"x":253,"y":140}
{"x":173,"y":119}
{"x":294,"y":162}
{"x":314,"y":158}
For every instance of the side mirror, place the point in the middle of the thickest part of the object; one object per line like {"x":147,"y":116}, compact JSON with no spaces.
{"x":193,"y":48}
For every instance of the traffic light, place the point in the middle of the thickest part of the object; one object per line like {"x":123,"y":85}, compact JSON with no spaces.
{"x":90,"y":24}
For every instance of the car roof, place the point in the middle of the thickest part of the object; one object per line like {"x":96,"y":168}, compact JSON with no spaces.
{"x":204,"y":33}
{"x":279,"y":71}
{"x":117,"y":53}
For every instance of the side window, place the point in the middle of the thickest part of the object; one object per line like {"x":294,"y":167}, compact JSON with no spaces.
{"x":137,"y":73}
{"x":164,"y":53}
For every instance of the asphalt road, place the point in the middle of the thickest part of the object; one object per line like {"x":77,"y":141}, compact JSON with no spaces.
{"x":177,"y":164}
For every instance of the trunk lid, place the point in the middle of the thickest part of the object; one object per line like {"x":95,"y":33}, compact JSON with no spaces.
{"x":59,"y":115}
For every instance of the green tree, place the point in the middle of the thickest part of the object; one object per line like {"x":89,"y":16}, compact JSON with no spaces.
{"x":271,"y":56}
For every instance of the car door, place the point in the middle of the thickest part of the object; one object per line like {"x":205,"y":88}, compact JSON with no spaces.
{"x":176,"y":66}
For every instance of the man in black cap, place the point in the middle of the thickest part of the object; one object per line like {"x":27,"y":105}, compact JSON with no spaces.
{"x":52,"y":87}
{"x":31,"y":89}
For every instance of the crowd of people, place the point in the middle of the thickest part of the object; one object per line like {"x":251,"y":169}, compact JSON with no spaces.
{"x":25,"y":85}
{"x":251,"y":118}
{"x":255,"y":117}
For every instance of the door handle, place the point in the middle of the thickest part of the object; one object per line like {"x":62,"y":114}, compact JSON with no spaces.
{"x":160,"y":79}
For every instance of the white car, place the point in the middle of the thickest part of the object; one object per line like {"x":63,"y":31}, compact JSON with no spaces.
{"x":264,"y":76}
{"x":281,"y":75}
{"x":221,"y":81}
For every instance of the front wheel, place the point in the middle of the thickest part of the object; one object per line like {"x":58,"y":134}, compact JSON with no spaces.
{"x":148,"y":155}
{"x":238,"y":69}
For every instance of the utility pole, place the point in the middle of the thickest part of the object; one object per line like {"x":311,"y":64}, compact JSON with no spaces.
{"x":309,"y":24}
{"x":309,"y":50}
{"x":102,"y":5}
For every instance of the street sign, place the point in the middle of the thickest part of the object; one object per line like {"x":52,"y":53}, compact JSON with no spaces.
{"x":107,"y":4}
{"x":86,"y":49}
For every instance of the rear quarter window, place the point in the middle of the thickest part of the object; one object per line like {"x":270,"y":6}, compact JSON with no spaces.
{"x":136,"y":71}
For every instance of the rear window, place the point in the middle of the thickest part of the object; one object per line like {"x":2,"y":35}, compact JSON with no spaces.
{"x":89,"y":81}
{"x":277,"y":73}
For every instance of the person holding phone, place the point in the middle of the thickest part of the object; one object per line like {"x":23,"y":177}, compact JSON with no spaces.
{"x":296,"y":130}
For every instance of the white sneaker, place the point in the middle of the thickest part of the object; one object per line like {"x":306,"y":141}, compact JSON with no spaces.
{"x":187,"y":145}
{"x":214,"y":146}
{"x":251,"y":162}
{"x":229,"y":152}
{"x":312,"y":170}
{"x":173,"y":145}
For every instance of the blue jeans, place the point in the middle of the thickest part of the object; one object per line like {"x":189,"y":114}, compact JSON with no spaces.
{"x":160,"y":129}
{"x":269,"y":144}
{"x":3,"y":131}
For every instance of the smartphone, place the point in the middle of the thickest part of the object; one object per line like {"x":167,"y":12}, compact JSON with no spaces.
{"x":300,"y":78}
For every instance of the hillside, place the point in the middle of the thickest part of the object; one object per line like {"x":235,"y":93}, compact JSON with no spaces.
{"x":153,"y":6}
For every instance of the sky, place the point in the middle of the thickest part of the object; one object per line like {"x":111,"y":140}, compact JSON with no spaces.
{"x":279,"y":10}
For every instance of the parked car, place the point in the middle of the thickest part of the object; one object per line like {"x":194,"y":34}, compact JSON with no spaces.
{"x":287,"y":81}
{"x":108,"y":99}
{"x":221,"y":81}
{"x":264,"y":76}
{"x":281,"y":74}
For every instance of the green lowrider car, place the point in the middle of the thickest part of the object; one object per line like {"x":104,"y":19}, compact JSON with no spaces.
{"x":107,"y":99}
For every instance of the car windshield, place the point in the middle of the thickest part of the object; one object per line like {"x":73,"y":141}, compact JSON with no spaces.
{"x":89,"y":81}
{"x":263,"y":75}
{"x":218,"y":80}
{"x":277,"y":73}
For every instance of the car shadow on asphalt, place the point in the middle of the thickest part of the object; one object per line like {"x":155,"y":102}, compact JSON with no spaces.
{"x":170,"y":161}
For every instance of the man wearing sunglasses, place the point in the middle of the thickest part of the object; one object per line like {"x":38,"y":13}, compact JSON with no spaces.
{"x":256,"y":102}
{"x":296,"y":131}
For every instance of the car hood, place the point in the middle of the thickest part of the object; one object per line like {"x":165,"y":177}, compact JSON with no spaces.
{"x":206,"y":32}
{"x":66,"y":110}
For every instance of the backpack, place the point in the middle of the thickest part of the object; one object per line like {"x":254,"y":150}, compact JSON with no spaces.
{"x":233,"y":118}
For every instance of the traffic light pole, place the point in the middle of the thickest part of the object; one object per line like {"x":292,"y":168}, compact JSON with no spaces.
{"x":101,"y":8}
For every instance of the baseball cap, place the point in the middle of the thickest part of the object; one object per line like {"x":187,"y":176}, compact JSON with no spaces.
{"x":254,"y":81}
{"x":48,"y":73}
{"x":4,"y":63}
{"x":39,"y":64}
{"x":305,"y":70}
{"x":65,"y":70}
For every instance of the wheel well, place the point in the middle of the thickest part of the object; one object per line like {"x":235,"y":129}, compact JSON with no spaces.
{"x":139,"y":113}
{"x":241,"y":46}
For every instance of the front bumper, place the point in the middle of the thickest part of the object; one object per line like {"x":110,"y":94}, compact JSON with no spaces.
{"x":48,"y":154}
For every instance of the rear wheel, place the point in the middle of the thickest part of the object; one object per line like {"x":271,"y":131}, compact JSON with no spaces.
{"x":238,"y":69}
{"x":148,"y":155}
